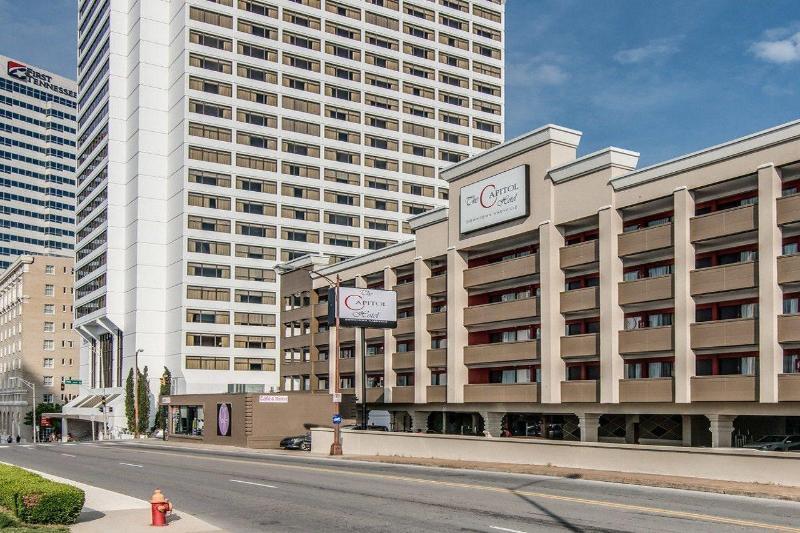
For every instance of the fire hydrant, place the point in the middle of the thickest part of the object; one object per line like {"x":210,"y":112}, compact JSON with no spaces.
{"x":159,"y":507}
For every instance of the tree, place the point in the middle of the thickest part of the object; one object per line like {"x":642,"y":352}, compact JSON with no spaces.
{"x":44,"y":407}
{"x":166,"y":388}
{"x":144,"y":402}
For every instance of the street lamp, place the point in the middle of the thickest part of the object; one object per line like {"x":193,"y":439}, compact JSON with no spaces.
{"x":136,"y":393}
{"x":336,"y":447}
{"x":31,"y":386}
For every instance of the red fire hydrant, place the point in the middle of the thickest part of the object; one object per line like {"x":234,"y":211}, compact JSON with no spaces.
{"x":159,"y":507}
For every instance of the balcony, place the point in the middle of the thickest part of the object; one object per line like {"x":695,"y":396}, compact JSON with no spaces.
{"x":724,"y":223}
{"x":646,"y":290}
{"x":371,"y":334}
{"x":724,"y":389}
{"x":374,"y":394}
{"x":580,"y":300}
{"x":501,"y":392}
{"x":646,"y":390}
{"x":789,"y":387}
{"x":524,"y":309}
{"x":437,"y":358}
{"x":437,"y":285}
{"x":404,"y":292}
{"x":503,"y":271}
{"x":721,"y":278}
{"x":347,"y":334}
{"x":436,"y":321}
{"x":321,"y":309}
{"x":583,"y":253}
{"x":295,"y":368}
{"x":403,"y":394}
{"x":298,"y":341}
{"x":789,"y":268}
{"x":405,"y":326}
{"x":403,"y":361}
{"x":789,"y":328}
{"x":437,"y":393}
{"x":644,"y":240}
{"x":789,"y":209}
{"x":347,"y":366}
{"x":584,"y":345}
{"x":295,"y":315}
{"x":724,"y":333}
{"x":374,"y":363}
{"x":501,"y":352}
{"x":581,"y":391}
{"x":658,"y":339}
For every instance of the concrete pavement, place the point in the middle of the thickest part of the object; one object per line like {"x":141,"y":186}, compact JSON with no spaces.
{"x":279,"y":492}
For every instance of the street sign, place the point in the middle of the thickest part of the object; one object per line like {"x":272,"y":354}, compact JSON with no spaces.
{"x":73,"y":382}
{"x":46,"y":422}
{"x":165,"y":400}
{"x":337,"y":397}
{"x":337,"y":419}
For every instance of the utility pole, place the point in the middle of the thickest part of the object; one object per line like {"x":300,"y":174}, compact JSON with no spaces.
{"x":136,"y":393}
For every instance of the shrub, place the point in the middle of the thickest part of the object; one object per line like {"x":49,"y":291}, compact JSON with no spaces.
{"x":36,"y":500}
{"x":6,"y":519}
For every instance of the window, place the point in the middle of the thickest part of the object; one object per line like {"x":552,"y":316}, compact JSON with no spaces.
{"x":201,"y":316}
{"x":48,"y":363}
{"x":50,"y":269}
{"x":49,"y":309}
{"x":49,"y":327}
{"x":49,"y":290}
{"x":207,"y":340}
{"x":47,"y":381}
{"x":208,"y":271}
{"x":254,"y":364}
{"x":48,"y":345}
{"x":255,"y":297}
{"x":208,"y":293}
{"x":207,"y":363}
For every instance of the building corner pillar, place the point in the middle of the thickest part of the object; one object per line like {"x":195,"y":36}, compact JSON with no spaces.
{"x":770,"y":296}
{"x":553,"y":369}
{"x":683,"y":211}
{"x":422,"y":337}
{"x":589,"y":424}
{"x":419,"y":421}
{"x":612,"y":319}
{"x":457,"y":301}
{"x":492,"y":423}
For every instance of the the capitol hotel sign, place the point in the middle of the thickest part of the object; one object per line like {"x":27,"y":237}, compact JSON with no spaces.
{"x":494,"y":200}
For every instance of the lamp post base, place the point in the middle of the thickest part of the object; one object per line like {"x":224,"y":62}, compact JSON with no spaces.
{"x":336,"y":449}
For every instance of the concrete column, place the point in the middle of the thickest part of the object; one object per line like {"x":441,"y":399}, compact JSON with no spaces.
{"x":686,"y":429}
{"x":770,"y":296}
{"x":552,"y":321}
{"x":683,"y":202}
{"x":630,"y":423}
{"x":422,"y":337}
{"x":457,"y":300}
{"x":64,"y":429}
{"x":612,"y":319}
{"x":361,"y":283}
{"x":419,"y":421}
{"x":589,"y":424}
{"x":721,"y":429}
{"x":389,"y":344}
{"x":492,"y":423}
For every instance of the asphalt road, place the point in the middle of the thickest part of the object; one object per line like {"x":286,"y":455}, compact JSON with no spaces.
{"x":246,"y":492}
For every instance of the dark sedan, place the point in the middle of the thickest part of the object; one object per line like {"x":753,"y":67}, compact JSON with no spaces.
{"x":299,"y":442}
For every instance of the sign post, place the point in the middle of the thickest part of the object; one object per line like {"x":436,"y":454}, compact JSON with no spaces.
{"x":364,"y":308}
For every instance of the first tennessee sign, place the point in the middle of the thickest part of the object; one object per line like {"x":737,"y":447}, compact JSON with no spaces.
{"x":494,"y":200}
{"x":363,"y":308}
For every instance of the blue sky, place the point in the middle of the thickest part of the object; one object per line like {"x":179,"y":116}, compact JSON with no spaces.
{"x":662,"y":78}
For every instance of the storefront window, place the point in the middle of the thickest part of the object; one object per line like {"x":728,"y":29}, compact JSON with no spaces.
{"x":188,"y":420}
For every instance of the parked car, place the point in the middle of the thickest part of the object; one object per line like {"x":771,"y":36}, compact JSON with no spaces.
{"x":776,"y":443}
{"x":294,"y":443}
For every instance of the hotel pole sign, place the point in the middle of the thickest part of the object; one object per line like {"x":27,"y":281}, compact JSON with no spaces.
{"x":363,"y":308}
{"x":494,"y":200}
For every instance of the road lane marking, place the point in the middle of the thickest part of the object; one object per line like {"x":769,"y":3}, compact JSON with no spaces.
{"x":253,"y":483}
{"x":487,"y":488}
{"x":67,"y":455}
{"x":129,"y":464}
{"x":498,"y":528}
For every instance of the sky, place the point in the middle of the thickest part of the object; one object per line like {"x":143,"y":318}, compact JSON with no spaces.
{"x":662,"y":78}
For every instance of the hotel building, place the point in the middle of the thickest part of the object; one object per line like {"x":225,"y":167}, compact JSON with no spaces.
{"x":37,"y":342}
{"x":217,"y":138}
{"x":581,"y":298}
{"x":37,"y":162}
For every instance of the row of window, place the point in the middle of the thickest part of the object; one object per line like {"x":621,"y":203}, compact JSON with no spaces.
{"x":256,"y":364}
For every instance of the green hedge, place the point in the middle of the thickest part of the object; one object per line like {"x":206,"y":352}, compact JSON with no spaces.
{"x":36,"y":500}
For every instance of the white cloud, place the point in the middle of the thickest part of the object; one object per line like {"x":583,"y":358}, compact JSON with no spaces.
{"x":655,"y":49}
{"x":775,"y":49}
{"x":540,"y":70}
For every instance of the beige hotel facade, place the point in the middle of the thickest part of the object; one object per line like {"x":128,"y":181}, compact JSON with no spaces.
{"x":580,"y":298}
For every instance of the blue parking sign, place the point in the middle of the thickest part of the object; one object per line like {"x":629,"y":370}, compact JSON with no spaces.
{"x":337,"y":419}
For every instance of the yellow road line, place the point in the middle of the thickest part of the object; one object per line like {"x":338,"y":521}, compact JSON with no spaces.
{"x":503,"y":490}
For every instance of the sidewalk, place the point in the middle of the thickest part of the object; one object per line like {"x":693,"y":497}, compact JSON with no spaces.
{"x":105,"y":511}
